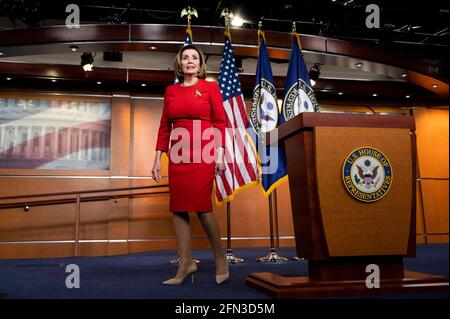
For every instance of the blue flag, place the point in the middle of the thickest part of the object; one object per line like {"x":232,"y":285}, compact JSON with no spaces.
{"x":264,"y":117}
{"x":298,"y":94}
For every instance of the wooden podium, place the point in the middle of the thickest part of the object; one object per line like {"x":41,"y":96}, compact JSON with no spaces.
{"x":343,"y":232}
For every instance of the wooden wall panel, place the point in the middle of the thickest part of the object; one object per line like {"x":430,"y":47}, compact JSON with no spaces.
{"x":432,"y":130}
{"x":56,"y":222}
{"x":146,"y":221}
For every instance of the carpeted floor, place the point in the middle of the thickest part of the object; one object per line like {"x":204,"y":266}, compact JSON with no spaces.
{"x":140,"y":275}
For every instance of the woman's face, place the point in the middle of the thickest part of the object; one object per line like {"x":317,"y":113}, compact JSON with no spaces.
{"x":190,"y":62}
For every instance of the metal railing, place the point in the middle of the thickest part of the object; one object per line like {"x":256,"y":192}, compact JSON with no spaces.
{"x":77,"y":198}
{"x":425,"y":233}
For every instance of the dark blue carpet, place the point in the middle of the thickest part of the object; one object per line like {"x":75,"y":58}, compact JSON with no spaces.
{"x":140,"y":275}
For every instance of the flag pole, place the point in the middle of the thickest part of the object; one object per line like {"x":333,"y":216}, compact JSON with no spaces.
{"x":188,"y":12}
{"x":232,"y":259}
{"x":296,"y":258}
{"x":228,"y":16}
{"x":272,"y":256}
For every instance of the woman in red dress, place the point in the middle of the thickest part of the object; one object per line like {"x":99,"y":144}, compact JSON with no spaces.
{"x":192,"y":133}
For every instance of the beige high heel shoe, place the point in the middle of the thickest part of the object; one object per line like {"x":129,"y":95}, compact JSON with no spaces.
{"x":220,"y":279}
{"x":178,"y":281}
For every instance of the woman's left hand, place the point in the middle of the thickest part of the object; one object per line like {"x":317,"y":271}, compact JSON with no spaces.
{"x":219,"y":169}
{"x":220,"y":165}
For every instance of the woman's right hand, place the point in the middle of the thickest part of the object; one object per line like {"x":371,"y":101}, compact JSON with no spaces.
{"x":156,"y":170}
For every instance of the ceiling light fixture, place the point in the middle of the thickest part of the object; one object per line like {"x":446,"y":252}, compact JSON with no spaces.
{"x":74,"y":48}
{"x":87,"y":61}
{"x":314,"y":73}
{"x":8,"y":78}
{"x":434,"y":86}
{"x":359,"y":64}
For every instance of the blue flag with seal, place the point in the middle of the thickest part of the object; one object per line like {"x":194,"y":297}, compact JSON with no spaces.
{"x":298,"y":94}
{"x":264,"y":117}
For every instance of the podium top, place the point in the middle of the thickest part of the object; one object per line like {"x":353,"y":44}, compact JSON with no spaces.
{"x":308,"y":120}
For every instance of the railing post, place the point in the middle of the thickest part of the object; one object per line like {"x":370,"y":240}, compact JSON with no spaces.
{"x":77,"y":224}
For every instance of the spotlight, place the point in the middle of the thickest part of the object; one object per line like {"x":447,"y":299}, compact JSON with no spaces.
{"x":374,"y":94}
{"x":237,"y":21}
{"x":407,"y":96}
{"x":53,"y":80}
{"x":314,"y":73}
{"x":8,"y":78}
{"x":143,"y":84}
{"x":152,"y":47}
{"x":359,"y":64}
{"x":99,"y":82}
{"x":87,"y":61}
{"x":404,"y":75}
{"x":434,"y":86}
{"x":74,"y":48}
{"x":341,"y":93}
{"x":1,"y":53}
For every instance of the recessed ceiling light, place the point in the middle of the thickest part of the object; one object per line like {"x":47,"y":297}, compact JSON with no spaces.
{"x":53,"y":80}
{"x":152,"y":47}
{"x":359,"y":64}
{"x":8,"y":78}
{"x":99,"y":82}
{"x":407,"y":96}
{"x":74,"y":48}
{"x":374,"y":94}
{"x":404,"y":75}
{"x":143,"y":84}
{"x":341,"y":93}
{"x":434,"y":86}
{"x":1,"y":53}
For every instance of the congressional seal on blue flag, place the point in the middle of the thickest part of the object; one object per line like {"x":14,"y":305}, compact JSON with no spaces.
{"x":298,"y":94}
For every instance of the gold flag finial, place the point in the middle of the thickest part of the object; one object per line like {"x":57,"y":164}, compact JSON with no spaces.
{"x":189,"y":12}
{"x":228,"y":16}
{"x":293,"y":27}
{"x":260,"y":25}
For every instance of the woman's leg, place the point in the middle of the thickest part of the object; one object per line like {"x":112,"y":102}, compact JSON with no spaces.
{"x":212,"y":230}
{"x":183,"y":232}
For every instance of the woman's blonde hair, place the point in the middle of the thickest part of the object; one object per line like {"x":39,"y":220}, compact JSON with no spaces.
{"x":177,"y":68}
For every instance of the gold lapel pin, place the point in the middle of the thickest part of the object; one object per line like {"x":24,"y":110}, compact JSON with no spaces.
{"x":197,"y":92}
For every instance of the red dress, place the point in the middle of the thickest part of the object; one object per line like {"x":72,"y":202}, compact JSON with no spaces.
{"x":192,"y":127}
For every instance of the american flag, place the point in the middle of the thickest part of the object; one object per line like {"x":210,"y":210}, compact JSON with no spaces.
{"x":241,"y":168}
